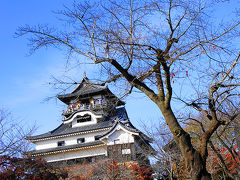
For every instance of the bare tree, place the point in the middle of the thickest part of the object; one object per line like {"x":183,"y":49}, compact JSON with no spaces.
{"x":12,"y":135}
{"x":223,"y":159}
{"x":223,"y":156}
{"x":161,"y":48}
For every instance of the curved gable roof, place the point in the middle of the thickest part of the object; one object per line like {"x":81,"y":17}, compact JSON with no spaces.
{"x":123,"y":126}
{"x":88,"y":88}
{"x":66,"y":129}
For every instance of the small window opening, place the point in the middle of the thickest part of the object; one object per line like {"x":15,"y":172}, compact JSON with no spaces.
{"x":80,"y":140}
{"x":96,"y":138}
{"x":61,"y":143}
{"x":84,"y":118}
{"x":117,"y":141}
{"x":126,"y":151}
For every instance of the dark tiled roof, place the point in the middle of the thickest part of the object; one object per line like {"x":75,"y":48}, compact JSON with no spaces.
{"x":87,"y":84}
{"x":121,"y":114}
{"x":124,"y":122}
{"x":66,"y":148}
{"x":87,"y":88}
{"x":129,"y":128}
{"x":65,"y":129}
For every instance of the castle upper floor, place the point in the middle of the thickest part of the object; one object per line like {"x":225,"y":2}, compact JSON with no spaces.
{"x":89,"y":96}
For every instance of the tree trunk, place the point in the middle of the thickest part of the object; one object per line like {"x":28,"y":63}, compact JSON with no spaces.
{"x":194,"y":161}
{"x":237,"y":132}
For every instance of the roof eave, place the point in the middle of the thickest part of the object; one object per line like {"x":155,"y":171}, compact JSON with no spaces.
{"x":66,"y":98}
{"x":52,"y":151}
{"x":66,"y":135}
{"x":111,"y":131}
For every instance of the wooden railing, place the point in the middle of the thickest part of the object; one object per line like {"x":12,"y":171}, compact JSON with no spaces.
{"x":73,"y":108}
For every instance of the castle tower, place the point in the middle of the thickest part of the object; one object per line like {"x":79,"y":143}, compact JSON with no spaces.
{"x":95,"y":125}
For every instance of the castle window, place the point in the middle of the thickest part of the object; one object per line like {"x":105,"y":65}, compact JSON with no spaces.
{"x":84,"y":118}
{"x":126,"y":151}
{"x":61,"y":143}
{"x":80,"y":140}
{"x":96,"y":138}
{"x":117,"y":141}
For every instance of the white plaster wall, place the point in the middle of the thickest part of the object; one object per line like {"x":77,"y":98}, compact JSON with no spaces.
{"x":93,"y":119}
{"x":123,"y":137}
{"x":46,"y":144}
{"x":77,"y":154}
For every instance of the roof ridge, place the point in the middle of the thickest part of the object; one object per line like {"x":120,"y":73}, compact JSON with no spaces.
{"x":69,"y":130}
{"x":86,"y":81}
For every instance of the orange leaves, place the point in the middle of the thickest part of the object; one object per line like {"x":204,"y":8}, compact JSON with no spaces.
{"x":210,"y":48}
{"x":231,"y":162}
{"x":28,"y":168}
{"x":113,"y":168}
{"x":237,"y":159}
{"x":173,"y":75}
{"x":141,"y":173}
{"x":80,"y":171}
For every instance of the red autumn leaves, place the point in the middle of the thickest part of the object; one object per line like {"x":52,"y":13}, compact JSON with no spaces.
{"x":173,"y":75}
{"x":211,"y":48}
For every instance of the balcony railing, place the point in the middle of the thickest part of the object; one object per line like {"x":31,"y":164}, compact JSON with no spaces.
{"x":74,"y":108}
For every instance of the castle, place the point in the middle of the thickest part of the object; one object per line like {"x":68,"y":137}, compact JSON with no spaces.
{"x":95,"y":125}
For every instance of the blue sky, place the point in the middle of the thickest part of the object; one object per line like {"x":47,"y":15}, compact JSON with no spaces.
{"x":24,"y":79}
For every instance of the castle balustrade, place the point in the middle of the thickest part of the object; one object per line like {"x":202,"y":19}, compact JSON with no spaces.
{"x":73,"y":108}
